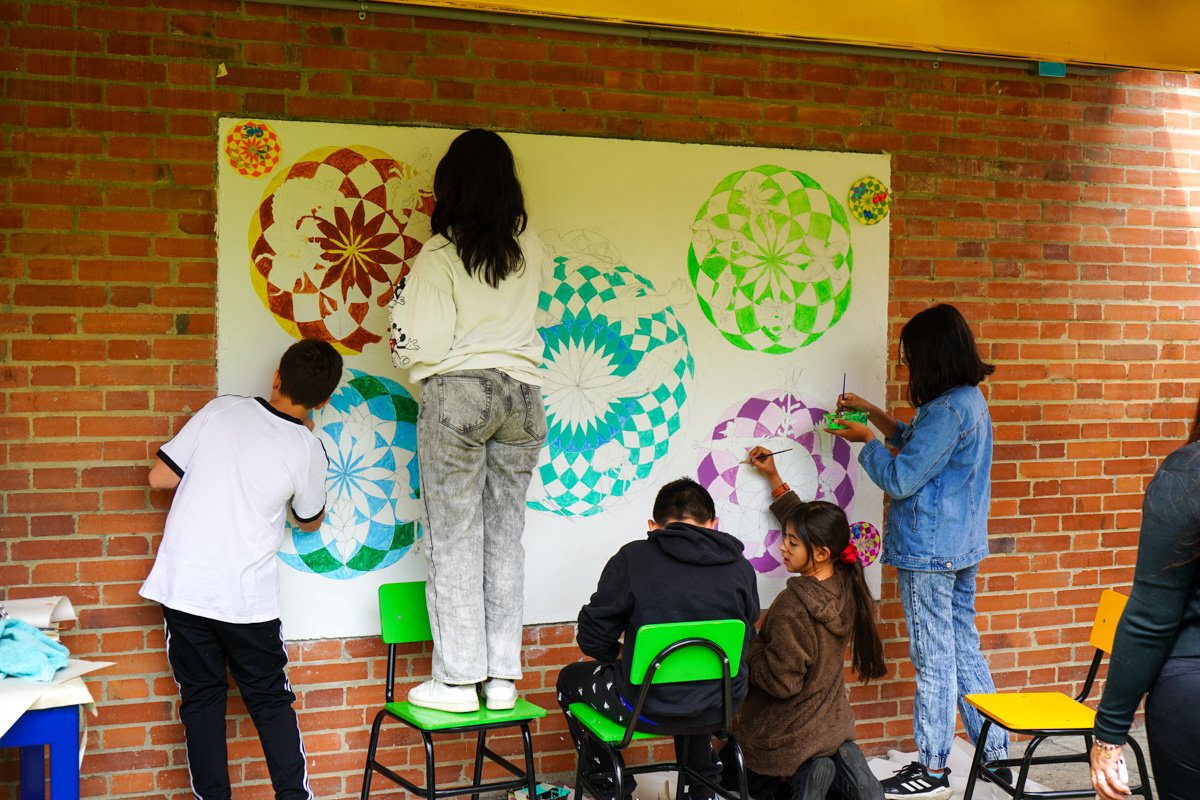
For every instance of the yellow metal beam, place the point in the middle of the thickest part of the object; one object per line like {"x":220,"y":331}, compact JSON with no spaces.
{"x":1150,"y":34}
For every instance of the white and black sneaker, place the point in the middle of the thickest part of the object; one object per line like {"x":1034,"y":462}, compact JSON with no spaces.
{"x":915,"y":781}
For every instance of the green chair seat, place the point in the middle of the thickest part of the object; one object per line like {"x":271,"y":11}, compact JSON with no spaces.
{"x":602,"y":727}
{"x":430,"y":720}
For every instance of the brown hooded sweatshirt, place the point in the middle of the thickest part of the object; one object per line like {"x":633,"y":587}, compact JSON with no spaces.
{"x":797,"y":707}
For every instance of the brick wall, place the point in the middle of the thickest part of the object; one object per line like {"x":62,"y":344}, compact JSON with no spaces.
{"x":1060,"y":214}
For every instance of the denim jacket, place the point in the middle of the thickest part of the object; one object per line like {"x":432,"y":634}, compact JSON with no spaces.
{"x":939,"y":483}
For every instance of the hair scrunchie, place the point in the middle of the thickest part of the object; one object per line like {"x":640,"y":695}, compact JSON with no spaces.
{"x":849,"y":554}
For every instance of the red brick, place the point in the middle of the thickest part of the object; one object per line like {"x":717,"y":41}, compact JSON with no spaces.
{"x":32,"y":38}
{"x":261,"y":78}
{"x":125,"y":221}
{"x":59,"y":295}
{"x":121,"y":121}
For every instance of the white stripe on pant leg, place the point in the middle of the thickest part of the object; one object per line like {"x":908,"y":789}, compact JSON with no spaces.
{"x":299,"y":737}
{"x":167,"y":648}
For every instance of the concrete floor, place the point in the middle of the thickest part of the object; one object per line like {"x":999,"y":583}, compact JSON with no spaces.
{"x":1048,"y":777}
{"x":661,"y":786}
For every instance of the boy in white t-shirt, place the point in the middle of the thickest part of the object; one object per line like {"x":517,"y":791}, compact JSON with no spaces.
{"x":238,"y":466}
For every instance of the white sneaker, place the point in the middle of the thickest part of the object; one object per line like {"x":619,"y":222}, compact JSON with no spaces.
{"x":500,"y":695}
{"x":444,"y":697}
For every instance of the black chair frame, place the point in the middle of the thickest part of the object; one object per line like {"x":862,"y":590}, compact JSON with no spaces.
{"x":525,"y":778}
{"x":586,"y":780}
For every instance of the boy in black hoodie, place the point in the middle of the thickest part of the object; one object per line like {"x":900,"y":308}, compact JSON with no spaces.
{"x":685,"y":570}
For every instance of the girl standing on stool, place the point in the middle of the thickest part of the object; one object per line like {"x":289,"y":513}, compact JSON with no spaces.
{"x":796,"y":727}
{"x":463,"y":325}
{"x":939,"y":482}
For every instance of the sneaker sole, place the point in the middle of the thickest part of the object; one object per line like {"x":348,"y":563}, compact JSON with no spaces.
{"x":852,"y":767}
{"x":941,"y":793}
{"x":501,"y":705}
{"x":452,"y":708}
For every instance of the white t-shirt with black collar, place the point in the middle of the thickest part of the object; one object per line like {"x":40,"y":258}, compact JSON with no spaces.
{"x":241,"y":463}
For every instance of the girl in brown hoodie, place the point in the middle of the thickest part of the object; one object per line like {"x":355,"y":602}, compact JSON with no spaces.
{"x":796,"y":727}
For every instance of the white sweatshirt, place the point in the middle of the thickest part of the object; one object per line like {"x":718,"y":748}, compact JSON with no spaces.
{"x":444,"y":320}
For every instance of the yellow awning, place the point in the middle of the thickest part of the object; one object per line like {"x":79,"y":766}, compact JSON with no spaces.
{"x":1150,"y":34}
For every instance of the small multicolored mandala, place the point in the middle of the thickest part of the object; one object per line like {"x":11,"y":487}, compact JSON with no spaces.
{"x":869,"y":200}
{"x":816,"y":464}
{"x":868,"y":541}
{"x":616,"y":375}
{"x":771,"y":259}
{"x":331,"y":237}
{"x":373,"y":511}
{"x":252,"y":149}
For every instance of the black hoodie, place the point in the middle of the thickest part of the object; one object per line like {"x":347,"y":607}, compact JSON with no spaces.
{"x":681,"y":573}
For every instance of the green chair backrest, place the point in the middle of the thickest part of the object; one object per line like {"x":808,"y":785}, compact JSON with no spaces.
{"x":403,"y":615}
{"x":690,"y":663}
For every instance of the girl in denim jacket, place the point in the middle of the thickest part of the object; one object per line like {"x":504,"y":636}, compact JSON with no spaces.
{"x":939,"y":482}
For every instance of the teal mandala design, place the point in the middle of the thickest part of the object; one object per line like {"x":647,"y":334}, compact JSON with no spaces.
{"x":771,"y":259}
{"x":615,"y":378}
{"x":369,"y":430}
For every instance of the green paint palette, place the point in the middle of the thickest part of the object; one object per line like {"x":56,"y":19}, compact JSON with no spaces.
{"x":834,"y":421}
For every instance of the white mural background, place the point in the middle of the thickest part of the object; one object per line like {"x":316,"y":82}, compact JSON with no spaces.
{"x":702,"y":299}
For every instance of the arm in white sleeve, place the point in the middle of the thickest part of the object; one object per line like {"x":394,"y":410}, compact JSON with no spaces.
{"x":423,"y":319}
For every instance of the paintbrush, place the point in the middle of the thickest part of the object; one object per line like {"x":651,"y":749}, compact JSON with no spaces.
{"x":764,"y":455}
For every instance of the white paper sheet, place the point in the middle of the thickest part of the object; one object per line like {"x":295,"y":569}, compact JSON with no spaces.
{"x":18,"y":695}
{"x":41,"y":612}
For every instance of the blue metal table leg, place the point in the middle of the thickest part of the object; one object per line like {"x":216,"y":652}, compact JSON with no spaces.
{"x":64,"y":756}
{"x":33,"y":772}
{"x":58,"y":728}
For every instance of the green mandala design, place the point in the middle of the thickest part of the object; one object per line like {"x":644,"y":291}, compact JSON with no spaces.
{"x":771,"y":259}
{"x":615,"y":380}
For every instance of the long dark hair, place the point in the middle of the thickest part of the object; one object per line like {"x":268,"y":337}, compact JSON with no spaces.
{"x":821,"y":524}
{"x":939,"y":349}
{"x":478,"y":205}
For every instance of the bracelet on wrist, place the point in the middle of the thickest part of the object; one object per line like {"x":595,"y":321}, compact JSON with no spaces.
{"x":780,"y":490}
{"x":1107,"y":749}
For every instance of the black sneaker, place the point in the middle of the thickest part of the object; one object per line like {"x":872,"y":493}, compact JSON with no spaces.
{"x":1005,"y":774}
{"x":915,"y":781}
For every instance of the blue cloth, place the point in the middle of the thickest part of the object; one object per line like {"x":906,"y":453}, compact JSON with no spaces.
{"x":26,"y":652}
{"x":939,"y":608}
{"x":939,"y":483}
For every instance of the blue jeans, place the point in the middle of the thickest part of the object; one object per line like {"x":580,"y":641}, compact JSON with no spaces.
{"x":939,"y":609}
{"x":479,"y":434}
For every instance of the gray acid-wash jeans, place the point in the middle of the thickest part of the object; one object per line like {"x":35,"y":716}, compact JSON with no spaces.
{"x":479,"y":434}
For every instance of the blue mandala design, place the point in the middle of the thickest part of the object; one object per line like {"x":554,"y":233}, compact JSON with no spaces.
{"x":371,"y":518}
{"x":616,"y":375}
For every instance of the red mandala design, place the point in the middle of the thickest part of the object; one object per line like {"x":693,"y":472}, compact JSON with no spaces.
{"x":331,"y":238}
